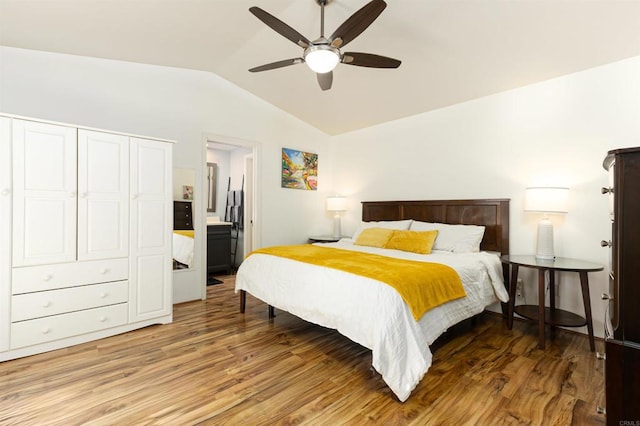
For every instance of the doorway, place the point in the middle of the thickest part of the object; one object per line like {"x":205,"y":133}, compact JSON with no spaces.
{"x":237,"y":168}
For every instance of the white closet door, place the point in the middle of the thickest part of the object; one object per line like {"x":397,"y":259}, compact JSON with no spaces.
{"x":103,"y":195}
{"x":150,"y":266}
{"x":44,"y":203}
{"x":5,"y":231}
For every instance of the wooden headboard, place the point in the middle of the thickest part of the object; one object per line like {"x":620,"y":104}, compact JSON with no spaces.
{"x":493,"y":214}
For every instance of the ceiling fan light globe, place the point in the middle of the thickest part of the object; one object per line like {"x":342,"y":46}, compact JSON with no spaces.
{"x":322,"y":58}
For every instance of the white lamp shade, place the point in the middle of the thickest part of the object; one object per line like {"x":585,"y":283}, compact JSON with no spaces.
{"x":336,"y":204}
{"x":547,"y":200}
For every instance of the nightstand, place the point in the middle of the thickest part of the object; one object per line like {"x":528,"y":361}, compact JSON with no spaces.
{"x":550,"y":315}
{"x":324,"y":239}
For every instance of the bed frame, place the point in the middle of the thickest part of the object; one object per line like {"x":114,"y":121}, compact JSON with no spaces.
{"x":493,"y":214}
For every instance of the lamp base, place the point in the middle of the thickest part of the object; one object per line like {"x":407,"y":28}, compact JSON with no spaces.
{"x":545,"y":240}
{"x":337,"y":231}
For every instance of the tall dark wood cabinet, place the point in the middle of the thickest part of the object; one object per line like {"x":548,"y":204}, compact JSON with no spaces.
{"x":622,"y":324}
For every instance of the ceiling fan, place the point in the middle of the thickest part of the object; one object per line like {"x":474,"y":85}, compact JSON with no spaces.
{"x":323,"y":54}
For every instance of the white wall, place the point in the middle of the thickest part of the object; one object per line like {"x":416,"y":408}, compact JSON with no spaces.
{"x":237,"y":168}
{"x":557,"y":131}
{"x":170,"y":103}
{"x":182,"y":178}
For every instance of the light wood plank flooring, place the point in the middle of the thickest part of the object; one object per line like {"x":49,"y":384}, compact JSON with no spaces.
{"x":214,"y":365}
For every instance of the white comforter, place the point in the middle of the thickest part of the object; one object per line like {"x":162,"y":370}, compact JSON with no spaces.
{"x":370,"y":312}
{"x":183,"y":249}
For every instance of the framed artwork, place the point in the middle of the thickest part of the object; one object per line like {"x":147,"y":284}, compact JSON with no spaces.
{"x":187,"y":192}
{"x":299,"y":169}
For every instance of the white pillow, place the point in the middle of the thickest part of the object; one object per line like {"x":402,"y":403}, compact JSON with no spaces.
{"x":401,"y":225}
{"x":454,"y":238}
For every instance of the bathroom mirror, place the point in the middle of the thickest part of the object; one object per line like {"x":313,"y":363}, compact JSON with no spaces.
{"x":212,"y":180}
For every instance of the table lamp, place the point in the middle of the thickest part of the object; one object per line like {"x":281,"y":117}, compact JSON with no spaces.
{"x":546,"y":200}
{"x":337,"y":205}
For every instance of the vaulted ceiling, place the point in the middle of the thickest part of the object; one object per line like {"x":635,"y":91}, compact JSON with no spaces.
{"x":451,"y":50}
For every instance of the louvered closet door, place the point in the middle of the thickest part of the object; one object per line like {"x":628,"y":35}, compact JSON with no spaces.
{"x":150,"y":266}
{"x":103,"y":195}
{"x":44,"y":202}
{"x":5,"y":231}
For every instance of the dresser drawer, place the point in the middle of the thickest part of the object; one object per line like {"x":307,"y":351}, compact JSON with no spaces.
{"x":53,"y":302}
{"x":41,"y":330}
{"x":62,"y":275}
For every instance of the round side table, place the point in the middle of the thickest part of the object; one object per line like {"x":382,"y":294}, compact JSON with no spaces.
{"x":550,"y":315}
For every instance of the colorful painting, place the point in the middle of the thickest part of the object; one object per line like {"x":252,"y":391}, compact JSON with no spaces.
{"x":299,"y":169}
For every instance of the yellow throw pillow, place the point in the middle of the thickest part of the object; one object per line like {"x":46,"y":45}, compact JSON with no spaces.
{"x":374,"y":237}
{"x":413,"y":241}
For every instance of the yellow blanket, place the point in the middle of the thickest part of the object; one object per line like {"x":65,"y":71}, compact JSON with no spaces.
{"x":422,"y":285}
{"x":186,"y":233}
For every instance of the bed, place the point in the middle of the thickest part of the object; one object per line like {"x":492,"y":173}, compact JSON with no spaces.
{"x":182,"y":248}
{"x":372,"y":313}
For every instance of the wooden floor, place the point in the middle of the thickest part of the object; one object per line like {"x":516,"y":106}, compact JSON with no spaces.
{"x":216,"y":366}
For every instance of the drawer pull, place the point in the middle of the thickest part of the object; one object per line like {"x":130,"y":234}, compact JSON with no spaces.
{"x":104,"y":271}
{"x":47,"y":277}
{"x":46,"y":304}
{"x":604,"y":243}
{"x":601,"y":355}
{"x":103,"y":294}
{"x":607,"y":190}
{"x":46,"y":330}
{"x":601,"y":410}
{"x":103,"y":319}
{"x":606,"y":296}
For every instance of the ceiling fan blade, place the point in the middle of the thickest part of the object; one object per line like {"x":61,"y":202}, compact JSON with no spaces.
{"x":278,"y":64}
{"x":325,"y":80}
{"x":369,"y":60}
{"x":280,"y":27}
{"x":357,"y":23}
